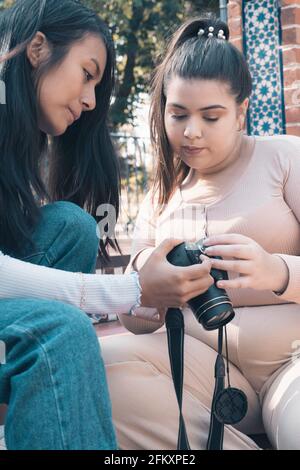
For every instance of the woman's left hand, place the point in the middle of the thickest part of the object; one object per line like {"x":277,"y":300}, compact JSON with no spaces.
{"x":257,"y":268}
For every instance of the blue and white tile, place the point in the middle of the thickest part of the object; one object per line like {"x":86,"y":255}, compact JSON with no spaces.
{"x":262,"y":45}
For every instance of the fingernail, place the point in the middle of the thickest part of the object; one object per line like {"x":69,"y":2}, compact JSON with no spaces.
{"x":220,"y":284}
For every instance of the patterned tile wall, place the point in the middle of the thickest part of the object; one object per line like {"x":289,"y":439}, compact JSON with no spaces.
{"x":262,"y":38}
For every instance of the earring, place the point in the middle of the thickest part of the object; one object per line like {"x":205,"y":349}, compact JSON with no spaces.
{"x":241,"y":126}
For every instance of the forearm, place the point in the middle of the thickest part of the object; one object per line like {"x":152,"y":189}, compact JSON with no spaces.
{"x":142,"y":323}
{"x":91,"y":292}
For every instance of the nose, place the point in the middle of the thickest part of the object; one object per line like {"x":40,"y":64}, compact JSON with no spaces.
{"x":89,"y":100}
{"x":192,"y":130}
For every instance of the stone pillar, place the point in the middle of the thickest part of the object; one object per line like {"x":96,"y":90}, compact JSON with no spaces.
{"x":290,"y":21}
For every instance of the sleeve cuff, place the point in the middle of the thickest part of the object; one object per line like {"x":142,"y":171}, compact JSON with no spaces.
{"x":139,"y":289}
{"x":292,"y":292}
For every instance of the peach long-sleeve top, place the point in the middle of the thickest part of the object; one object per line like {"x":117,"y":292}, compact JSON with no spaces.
{"x":263,"y":203}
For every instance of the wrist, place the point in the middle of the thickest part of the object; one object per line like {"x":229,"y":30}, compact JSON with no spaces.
{"x":136,"y":277}
{"x":281,"y":279}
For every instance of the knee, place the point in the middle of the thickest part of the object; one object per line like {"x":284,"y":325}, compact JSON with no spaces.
{"x":75,"y":218}
{"x":76,"y":339}
{"x":52,"y":320}
{"x":69,"y":321}
{"x":281,"y":409}
{"x":54,"y":329}
{"x":287,"y":425}
{"x":78,"y":224}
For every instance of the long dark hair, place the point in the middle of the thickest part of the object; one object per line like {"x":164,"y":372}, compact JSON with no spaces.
{"x":192,"y":56}
{"x":83,"y":163}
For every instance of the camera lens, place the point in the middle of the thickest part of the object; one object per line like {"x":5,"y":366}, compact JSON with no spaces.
{"x":212,"y":308}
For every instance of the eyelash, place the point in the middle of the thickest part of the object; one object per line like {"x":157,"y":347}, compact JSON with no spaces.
{"x":180,"y":118}
{"x":88,"y":76}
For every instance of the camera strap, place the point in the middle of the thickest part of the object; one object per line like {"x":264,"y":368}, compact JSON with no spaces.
{"x":229,"y":405}
{"x":175,"y":333}
{"x":216,"y":428}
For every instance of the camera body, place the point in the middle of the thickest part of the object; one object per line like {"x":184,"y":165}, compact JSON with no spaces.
{"x":213,"y":309}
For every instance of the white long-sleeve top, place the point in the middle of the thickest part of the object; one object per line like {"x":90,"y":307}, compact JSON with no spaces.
{"x":93,"y":293}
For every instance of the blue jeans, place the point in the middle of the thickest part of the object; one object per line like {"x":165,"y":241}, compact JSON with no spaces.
{"x":54,"y":379}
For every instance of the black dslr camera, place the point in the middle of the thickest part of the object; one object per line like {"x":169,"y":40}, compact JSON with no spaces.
{"x":213,"y":309}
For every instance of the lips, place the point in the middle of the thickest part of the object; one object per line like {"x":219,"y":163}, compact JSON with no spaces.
{"x":191,"y":150}
{"x":75,"y":115}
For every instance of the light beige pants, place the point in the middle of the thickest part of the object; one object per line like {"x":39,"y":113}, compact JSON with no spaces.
{"x":263,"y":364}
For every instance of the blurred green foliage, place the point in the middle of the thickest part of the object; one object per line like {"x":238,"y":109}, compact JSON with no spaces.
{"x":140,"y":29}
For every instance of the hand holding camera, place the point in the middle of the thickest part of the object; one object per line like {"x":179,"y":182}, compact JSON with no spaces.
{"x":256,"y":268}
{"x":164,"y":285}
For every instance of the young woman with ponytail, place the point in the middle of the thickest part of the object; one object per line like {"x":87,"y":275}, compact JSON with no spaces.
{"x":241,"y":194}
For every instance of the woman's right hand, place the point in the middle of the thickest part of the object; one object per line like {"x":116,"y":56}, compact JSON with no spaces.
{"x":164,"y":285}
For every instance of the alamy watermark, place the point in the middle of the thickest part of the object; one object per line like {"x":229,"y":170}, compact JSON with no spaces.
{"x":107,"y":225}
{"x":2,"y":352}
{"x":194,"y":216}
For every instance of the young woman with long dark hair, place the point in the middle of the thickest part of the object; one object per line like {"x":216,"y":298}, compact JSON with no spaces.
{"x":57,"y":71}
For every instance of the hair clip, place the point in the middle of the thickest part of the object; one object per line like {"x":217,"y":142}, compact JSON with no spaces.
{"x":221,"y":34}
{"x":211,"y":34}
